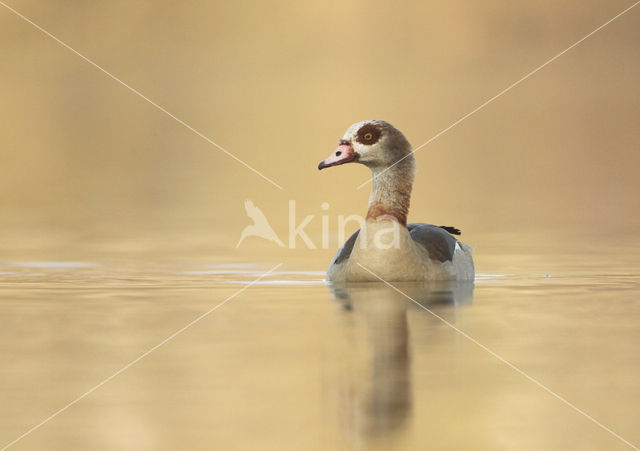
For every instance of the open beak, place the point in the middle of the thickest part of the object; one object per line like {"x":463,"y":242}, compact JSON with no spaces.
{"x":343,"y":154}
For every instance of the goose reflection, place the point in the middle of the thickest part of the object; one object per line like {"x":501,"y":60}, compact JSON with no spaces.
{"x":375,"y":392}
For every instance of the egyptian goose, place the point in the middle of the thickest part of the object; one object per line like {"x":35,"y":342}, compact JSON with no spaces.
{"x":386,"y":245}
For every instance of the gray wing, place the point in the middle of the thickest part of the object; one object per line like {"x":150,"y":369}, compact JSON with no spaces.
{"x":346,"y":249}
{"x":436,"y":240}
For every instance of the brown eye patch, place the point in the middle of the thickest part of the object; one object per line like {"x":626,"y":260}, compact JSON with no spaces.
{"x":368,"y":134}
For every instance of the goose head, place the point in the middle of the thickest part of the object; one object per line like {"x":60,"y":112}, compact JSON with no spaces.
{"x":375,"y":144}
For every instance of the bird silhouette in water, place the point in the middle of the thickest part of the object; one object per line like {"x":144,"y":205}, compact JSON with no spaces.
{"x":260,"y":226}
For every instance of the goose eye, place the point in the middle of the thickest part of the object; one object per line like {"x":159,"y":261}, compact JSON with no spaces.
{"x":368,"y":134}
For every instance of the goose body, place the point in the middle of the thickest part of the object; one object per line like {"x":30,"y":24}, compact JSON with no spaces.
{"x":387,"y":246}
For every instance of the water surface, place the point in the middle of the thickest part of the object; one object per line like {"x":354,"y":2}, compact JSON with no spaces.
{"x":294,"y":363}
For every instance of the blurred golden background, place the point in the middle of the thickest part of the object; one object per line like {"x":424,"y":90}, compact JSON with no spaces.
{"x":119,"y":225}
{"x":89,"y":167}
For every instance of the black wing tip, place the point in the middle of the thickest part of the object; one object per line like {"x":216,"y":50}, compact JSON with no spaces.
{"x":451,"y":230}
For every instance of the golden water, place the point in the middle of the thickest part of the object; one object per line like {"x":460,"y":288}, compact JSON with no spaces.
{"x":291,"y":363}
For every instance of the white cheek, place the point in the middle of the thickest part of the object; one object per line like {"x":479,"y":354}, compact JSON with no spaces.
{"x":372,"y":148}
{"x":363,"y":151}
